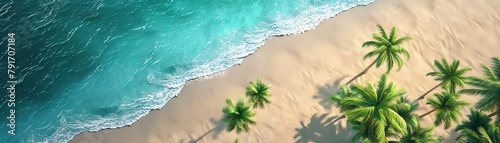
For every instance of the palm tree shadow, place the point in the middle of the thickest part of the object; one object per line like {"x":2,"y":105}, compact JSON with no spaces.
{"x":220,"y":126}
{"x":327,"y":90}
{"x":452,"y":137}
{"x":317,"y":131}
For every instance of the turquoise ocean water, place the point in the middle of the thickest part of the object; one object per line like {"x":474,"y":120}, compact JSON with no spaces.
{"x":87,"y":65}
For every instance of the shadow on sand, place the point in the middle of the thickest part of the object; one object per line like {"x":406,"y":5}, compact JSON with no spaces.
{"x":220,"y":126}
{"x":452,"y":137}
{"x":327,"y":90}
{"x":318,"y":132}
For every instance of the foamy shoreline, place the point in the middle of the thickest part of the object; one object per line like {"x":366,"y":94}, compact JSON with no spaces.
{"x":304,"y":68}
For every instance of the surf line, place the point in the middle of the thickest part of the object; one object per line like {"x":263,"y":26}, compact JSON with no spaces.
{"x":11,"y":89}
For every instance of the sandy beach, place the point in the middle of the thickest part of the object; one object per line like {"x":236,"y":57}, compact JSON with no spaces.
{"x":305,"y":69}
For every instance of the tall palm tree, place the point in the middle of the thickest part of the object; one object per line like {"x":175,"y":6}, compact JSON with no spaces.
{"x":448,"y":108}
{"x":490,"y":134}
{"x":421,"y":135}
{"x":387,"y":50}
{"x":449,"y":75}
{"x":488,"y":87}
{"x":339,"y":98}
{"x":476,"y":119}
{"x":258,"y":93}
{"x":239,"y":117}
{"x":377,"y":107}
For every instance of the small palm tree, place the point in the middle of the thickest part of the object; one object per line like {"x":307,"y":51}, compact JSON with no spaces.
{"x":339,"y":98}
{"x":377,"y":109}
{"x":488,"y":87}
{"x":490,"y":134}
{"x":239,"y":117}
{"x":476,"y":119}
{"x":449,"y":75}
{"x":448,"y":108}
{"x":258,"y":93}
{"x":387,"y":49}
{"x":421,"y":135}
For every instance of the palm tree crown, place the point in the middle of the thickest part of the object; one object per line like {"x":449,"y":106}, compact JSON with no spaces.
{"x":488,"y":87}
{"x":239,"y":117}
{"x":258,"y":93}
{"x":376,"y":109}
{"x":476,"y":119}
{"x":448,"y":108}
{"x":387,"y":48}
{"x":449,"y":74}
{"x":490,"y":134}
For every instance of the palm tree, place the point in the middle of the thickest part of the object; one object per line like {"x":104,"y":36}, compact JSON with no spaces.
{"x":258,"y":93}
{"x":339,"y":98}
{"x":376,"y":111}
{"x":448,"y":108}
{"x":387,"y":50}
{"x":490,"y":134}
{"x":420,"y":135}
{"x":488,"y":87}
{"x":476,"y":119}
{"x":239,"y":117}
{"x":449,"y":75}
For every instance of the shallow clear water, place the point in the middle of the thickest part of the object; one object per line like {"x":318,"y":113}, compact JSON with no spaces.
{"x":88,"y":65}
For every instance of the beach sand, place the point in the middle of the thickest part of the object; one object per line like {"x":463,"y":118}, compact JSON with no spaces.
{"x":305,"y":69}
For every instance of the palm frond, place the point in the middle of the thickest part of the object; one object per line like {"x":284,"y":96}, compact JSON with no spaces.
{"x":393,"y":35}
{"x":496,"y":67}
{"x":382,"y":31}
{"x":402,"y":40}
{"x":371,"y":43}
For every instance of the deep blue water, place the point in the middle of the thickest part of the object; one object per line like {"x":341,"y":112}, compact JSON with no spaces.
{"x":86,"y":65}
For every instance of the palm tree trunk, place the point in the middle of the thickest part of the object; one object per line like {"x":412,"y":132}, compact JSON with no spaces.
{"x":492,"y":114}
{"x":459,"y":136}
{"x":428,"y":113}
{"x":363,"y":72}
{"x":423,"y":96}
{"x":334,"y":121}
